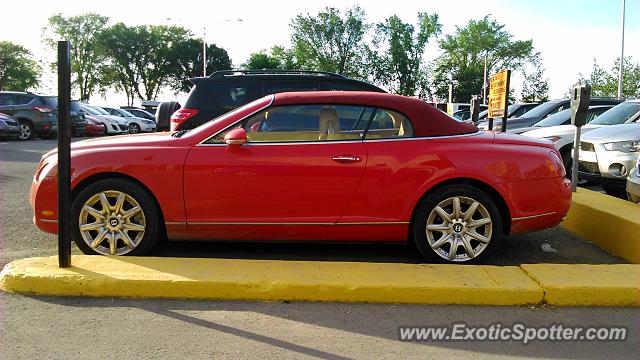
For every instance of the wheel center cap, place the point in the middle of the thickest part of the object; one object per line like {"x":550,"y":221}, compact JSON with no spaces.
{"x":458,"y":228}
{"x":113,"y":223}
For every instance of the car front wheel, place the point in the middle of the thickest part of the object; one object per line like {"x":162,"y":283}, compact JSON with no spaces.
{"x":115,"y":217}
{"x":457,"y":224}
{"x":134,"y":128}
{"x":27,"y":131}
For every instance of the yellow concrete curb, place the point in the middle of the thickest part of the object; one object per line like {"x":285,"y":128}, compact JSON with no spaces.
{"x":588,"y":285}
{"x":148,"y":277}
{"x":612,"y":224}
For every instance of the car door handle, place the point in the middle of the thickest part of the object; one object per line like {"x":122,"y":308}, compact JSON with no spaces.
{"x":346,"y":158}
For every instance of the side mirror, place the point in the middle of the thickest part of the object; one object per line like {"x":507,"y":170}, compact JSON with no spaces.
{"x":237,"y":136}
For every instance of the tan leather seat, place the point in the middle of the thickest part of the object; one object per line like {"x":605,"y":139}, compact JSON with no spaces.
{"x":329,"y":124}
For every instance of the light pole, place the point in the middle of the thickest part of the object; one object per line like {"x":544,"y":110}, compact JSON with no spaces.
{"x":621,"y":69}
{"x":204,"y":41}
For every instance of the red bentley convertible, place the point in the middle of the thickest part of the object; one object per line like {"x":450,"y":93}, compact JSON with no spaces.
{"x":313,"y":166}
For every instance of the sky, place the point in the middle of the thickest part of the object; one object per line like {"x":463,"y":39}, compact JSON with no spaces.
{"x":568,"y":33}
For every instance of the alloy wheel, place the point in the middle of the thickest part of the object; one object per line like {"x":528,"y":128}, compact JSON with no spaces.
{"x":112,"y":223}
{"x":134,"y":129}
{"x":459,"y":228}
{"x":25,"y":131}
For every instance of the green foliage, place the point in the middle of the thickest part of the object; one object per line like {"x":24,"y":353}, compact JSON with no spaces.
{"x":144,"y":59}
{"x":263,"y":60}
{"x":464,"y":53}
{"x":535,"y":86}
{"x":398,"y":61}
{"x":330,"y":41}
{"x":18,"y":70}
{"x":605,"y":83}
{"x":86,"y":61}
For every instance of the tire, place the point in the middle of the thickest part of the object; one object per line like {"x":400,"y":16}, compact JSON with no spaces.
{"x":135,"y":233}
{"x":106,"y":131}
{"x":27,"y":131}
{"x":427,"y":241}
{"x":615,"y":191}
{"x":134,"y":128}
{"x":567,"y":161}
{"x":163,"y":114}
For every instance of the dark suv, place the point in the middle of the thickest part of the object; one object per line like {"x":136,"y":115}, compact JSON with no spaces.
{"x":226,"y":90}
{"x":38,"y":114}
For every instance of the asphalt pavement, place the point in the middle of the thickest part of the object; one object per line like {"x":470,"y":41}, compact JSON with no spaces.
{"x":41,"y":327}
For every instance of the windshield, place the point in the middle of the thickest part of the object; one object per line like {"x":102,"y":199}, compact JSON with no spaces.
{"x":125,"y":113}
{"x":90,"y":110}
{"x":100,"y":110}
{"x":542,"y":109}
{"x":75,"y":106}
{"x":555,"y":119}
{"x":618,"y":114}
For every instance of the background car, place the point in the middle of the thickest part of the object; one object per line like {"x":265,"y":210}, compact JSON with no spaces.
{"x":608,"y":154}
{"x":136,"y":124}
{"x":144,"y":114}
{"x":390,"y":169}
{"x":94,"y":127}
{"x":562,"y":135}
{"x":78,"y":121}
{"x":633,"y":183}
{"x":36,"y":114}
{"x":114,"y":125}
{"x":563,"y":118}
{"x":224,"y":91}
{"x":9,"y":128}
{"x":513,"y":110}
{"x":543,"y":110}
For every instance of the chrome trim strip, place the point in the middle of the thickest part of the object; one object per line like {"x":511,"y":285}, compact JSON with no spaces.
{"x":301,"y":223}
{"x":175,"y":223}
{"x":49,"y":221}
{"x":532,"y":216}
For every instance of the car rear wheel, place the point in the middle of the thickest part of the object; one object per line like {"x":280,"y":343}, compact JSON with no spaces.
{"x":457,"y":224}
{"x":115,"y":217}
{"x":105,"y":131}
{"x":134,"y":128}
{"x":27,"y":131}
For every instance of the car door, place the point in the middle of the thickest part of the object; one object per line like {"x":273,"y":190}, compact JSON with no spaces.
{"x":8,"y":103}
{"x":293,"y":169}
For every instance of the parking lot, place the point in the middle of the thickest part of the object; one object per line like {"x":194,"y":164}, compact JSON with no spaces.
{"x":202,"y":329}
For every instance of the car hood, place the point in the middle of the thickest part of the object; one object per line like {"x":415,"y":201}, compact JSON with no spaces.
{"x":614,"y":133}
{"x":560,"y":130}
{"x":122,"y":141}
{"x":115,"y":119}
{"x":521,"y":130}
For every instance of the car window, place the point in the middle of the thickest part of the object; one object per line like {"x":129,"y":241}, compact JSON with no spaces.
{"x":25,"y":99}
{"x":51,"y":101}
{"x":90,"y":110}
{"x":100,"y":110}
{"x":388,"y":124}
{"x":618,"y":114}
{"x":273,"y":86}
{"x":231,"y":95}
{"x":543,"y":109}
{"x":8,"y":99}
{"x":304,"y":123}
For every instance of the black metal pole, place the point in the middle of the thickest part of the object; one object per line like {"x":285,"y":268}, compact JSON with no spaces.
{"x":64,"y":154}
{"x":505,"y":114}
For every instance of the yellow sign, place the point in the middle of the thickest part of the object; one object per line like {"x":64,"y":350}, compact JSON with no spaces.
{"x":498,"y":93}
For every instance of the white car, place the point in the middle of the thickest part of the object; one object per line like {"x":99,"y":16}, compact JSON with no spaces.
{"x":562,"y":136}
{"x":113,"y":125}
{"x":136,"y":124}
{"x":608,"y":155}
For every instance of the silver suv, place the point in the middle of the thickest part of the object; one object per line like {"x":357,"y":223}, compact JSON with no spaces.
{"x":608,"y":154}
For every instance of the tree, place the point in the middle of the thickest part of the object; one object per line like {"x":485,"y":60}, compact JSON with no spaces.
{"x":331,"y":42}
{"x":464,"y":54}
{"x":398,"y":64}
{"x":86,"y":61}
{"x":605,"y":83}
{"x":18,"y":70}
{"x":262,"y":60}
{"x":189,"y":62}
{"x":535,"y":86}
